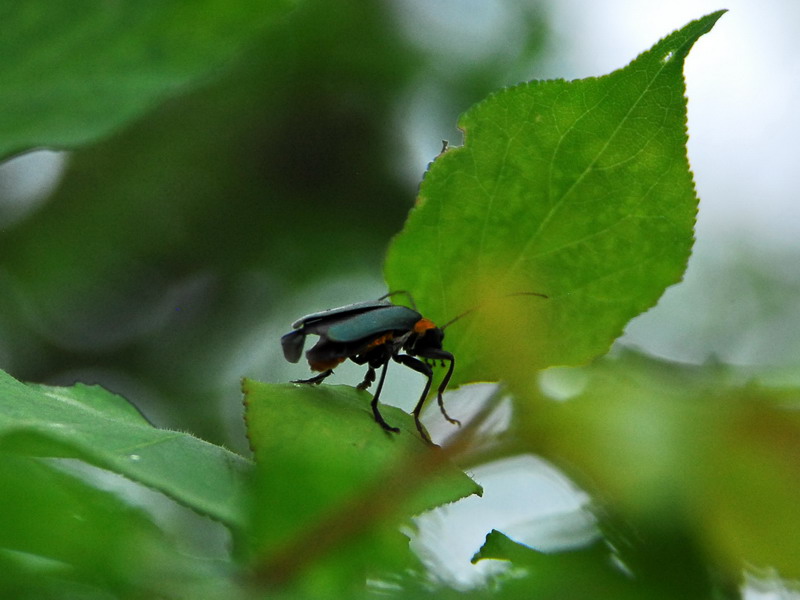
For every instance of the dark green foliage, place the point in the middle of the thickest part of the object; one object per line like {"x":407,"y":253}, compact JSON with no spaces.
{"x":225,"y":156}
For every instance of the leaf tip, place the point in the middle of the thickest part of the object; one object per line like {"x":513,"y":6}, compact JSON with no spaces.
{"x":677,"y":44}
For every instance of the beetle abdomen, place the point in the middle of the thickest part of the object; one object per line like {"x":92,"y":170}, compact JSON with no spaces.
{"x":292,"y":344}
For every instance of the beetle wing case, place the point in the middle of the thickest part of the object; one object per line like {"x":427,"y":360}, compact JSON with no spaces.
{"x":341,"y":311}
{"x":373,"y":323}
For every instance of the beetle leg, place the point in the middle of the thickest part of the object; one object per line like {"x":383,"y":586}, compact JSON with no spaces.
{"x":374,"y":404}
{"x":443,"y":386}
{"x":316,"y":379}
{"x":434,"y":355}
{"x":420,"y":367}
{"x":369,"y":379}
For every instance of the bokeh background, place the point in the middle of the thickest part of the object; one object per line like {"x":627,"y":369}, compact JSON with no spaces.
{"x":165,"y":261}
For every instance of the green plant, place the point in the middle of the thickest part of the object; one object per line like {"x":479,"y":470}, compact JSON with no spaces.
{"x":580,"y":190}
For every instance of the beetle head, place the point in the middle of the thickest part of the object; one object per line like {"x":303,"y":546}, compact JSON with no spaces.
{"x":430,"y":339}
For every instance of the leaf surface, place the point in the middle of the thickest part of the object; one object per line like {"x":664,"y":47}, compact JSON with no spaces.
{"x":327,"y":474}
{"x":94,"y":425}
{"x":580,"y":190}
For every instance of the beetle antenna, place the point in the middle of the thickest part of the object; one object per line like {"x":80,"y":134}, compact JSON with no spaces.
{"x":454,"y":319}
{"x":397,"y":292}
{"x":474,"y":308}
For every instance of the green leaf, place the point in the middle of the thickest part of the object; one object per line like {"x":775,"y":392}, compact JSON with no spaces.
{"x":585,"y":573}
{"x":659,"y":569}
{"x":327,"y":475}
{"x":498,"y":546}
{"x":580,"y":190}
{"x":54,"y":527}
{"x":672,"y":447}
{"x":73,"y":72}
{"x":96,"y":426}
{"x":751,"y":493}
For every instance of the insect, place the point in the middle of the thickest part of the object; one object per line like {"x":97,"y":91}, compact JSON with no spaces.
{"x":372,"y":334}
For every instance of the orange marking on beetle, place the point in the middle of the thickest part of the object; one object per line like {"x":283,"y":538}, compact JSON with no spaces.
{"x":424,"y":325}
{"x":325,"y":365}
{"x":381,"y":340}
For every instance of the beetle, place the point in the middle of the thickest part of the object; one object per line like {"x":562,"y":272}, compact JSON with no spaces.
{"x":372,"y":334}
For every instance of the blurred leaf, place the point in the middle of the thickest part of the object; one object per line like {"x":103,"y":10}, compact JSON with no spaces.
{"x":169,"y":242}
{"x":594,"y":572}
{"x":692,"y":451}
{"x":580,"y":190}
{"x":631,"y":422}
{"x":585,"y":573}
{"x":749,"y":504}
{"x":72,"y":73}
{"x":499,"y":546}
{"x":329,"y":477}
{"x":55,"y":529}
{"x":102,"y":429}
